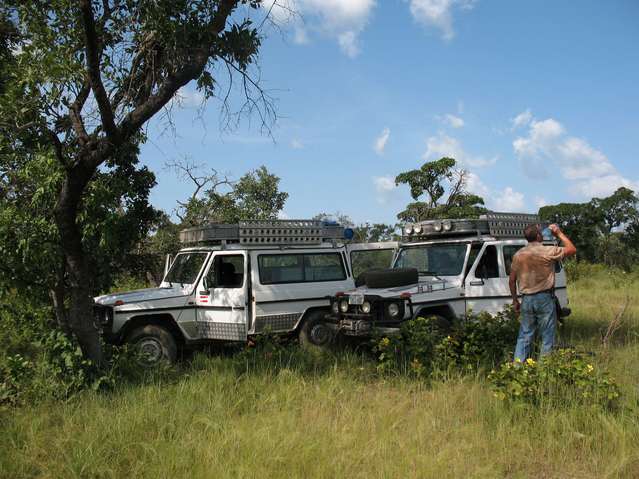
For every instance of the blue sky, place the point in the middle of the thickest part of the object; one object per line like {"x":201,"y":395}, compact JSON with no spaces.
{"x":539,"y":101}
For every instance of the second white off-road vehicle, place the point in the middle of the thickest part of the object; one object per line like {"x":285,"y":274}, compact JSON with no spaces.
{"x":443,"y":268}
{"x":236,"y":281}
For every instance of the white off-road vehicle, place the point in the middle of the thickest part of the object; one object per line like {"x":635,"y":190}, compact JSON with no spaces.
{"x":443,"y":268}
{"x":236,"y":281}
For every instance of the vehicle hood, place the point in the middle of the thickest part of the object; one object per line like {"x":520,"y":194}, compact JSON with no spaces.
{"x":423,"y":286}
{"x":141,"y":295}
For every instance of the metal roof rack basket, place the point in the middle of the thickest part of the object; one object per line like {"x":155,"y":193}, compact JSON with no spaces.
{"x":265,"y":232}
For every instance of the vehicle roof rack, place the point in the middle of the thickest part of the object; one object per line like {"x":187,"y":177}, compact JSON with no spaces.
{"x":266,"y":232}
{"x":497,"y":225}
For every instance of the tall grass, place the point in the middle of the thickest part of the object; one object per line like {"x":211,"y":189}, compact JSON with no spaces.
{"x":331,"y":415}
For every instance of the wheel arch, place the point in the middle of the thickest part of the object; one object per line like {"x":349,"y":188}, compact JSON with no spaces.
{"x":443,"y":309}
{"x":165,"y":321}
{"x":310,"y":312}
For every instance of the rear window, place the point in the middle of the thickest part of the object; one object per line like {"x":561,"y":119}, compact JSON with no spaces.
{"x":300,"y":268}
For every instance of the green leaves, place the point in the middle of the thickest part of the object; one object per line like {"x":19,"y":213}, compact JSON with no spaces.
{"x":592,"y":226}
{"x":434,"y":180}
{"x":561,"y":378}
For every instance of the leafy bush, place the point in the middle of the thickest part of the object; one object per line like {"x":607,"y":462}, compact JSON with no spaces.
{"x":563,"y":377}
{"x":422,"y":349}
{"x":38,"y":361}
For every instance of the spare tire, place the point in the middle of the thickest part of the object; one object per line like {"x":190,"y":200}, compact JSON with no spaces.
{"x":390,"y":278}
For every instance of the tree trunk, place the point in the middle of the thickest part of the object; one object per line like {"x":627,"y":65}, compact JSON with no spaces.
{"x":57,"y":298}
{"x":81,"y":302}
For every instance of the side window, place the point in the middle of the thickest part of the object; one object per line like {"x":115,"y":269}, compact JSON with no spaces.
{"x":509,"y":253}
{"x":370,"y":259}
{"x":300,"y":268}
{"x":226,"y":271}
{"x":488,"y":266}
{"x":281,"y":268}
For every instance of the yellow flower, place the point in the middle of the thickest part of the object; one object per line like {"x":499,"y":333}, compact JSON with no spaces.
{"x":590,"y":368}
{"x":530,"y":362}
{"x":517,"y":360}
{"x":385,"y":342}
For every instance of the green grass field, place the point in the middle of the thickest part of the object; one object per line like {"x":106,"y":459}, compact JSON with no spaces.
{"x":218,"y":419}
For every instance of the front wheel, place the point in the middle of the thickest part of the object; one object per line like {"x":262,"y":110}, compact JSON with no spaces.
{"x":315,"y":332}
{"x":153,"y":345}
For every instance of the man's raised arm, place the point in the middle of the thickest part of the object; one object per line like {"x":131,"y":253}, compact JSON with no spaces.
{"x":569,"y":247}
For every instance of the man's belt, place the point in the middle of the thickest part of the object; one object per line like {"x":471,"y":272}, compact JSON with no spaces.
{"x":551,"y":291}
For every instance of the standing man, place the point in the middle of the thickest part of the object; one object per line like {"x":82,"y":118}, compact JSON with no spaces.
{"x":533,"y":270}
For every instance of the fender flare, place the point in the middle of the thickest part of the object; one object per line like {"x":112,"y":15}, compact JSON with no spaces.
{"x":164,"y":320}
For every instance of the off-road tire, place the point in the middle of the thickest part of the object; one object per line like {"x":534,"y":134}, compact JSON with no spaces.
{"x":391,"y":278}
{"x":442,"y":325}
{"x":154,"y":345}
{"x":315,"y":333}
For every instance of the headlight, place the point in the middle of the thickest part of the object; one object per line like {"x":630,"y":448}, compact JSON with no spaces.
{"x":447,"y":225}
{"x":437,"y":227}
{"x":366,"y":307}
{"x":335,"y":307}
{"x":393,"y":309}
{"x":408,"y":229}
{"x":417,"y":229}
{"x":343,"y":306}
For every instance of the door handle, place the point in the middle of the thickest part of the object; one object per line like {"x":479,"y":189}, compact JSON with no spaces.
{"x":479,"y":282}
{"x":204,"y":293}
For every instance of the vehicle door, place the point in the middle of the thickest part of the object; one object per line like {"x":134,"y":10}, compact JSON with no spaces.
{"x":365,"y":256}
{"x":486,"y":287}
{"x":222,"y":297}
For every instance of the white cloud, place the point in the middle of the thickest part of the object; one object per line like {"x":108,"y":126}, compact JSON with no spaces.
{"x":438,"y":14}
{"x":296,"y":144}
{"x":281,"y":215}
{"x":452,"y":120}
{"x":342,"y":20}
{"x":444,"y":145}
{"x":548,"y":147}
{"x":380,"y":142}
{"x":540,"y":201}
{"x":188,"y":97}
{"x":385,"y":186}
{"x":475,"y":185}
{"x":523,"y":119}
{"x":508,"y":200}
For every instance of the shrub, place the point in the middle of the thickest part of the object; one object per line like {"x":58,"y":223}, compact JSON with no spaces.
{"x":561,"y":378}
{"x":422,"y":349}
{"x":38,"y":361}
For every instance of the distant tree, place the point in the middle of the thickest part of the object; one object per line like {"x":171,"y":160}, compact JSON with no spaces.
{"x":84,"y":77}
{"x":364,"y":232}
{"x":255,"y":195}
{"x":591,"y":225}
{"x":442,"y":190}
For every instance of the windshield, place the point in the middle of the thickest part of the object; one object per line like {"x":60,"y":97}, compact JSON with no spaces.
{"x":185,"y":268}
{"x":434,"y":259}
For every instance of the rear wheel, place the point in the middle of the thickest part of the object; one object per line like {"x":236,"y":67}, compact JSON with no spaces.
{"x":315,"y":332}
{"x":154,"y":345}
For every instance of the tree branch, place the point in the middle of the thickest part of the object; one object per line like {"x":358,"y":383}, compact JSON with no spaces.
{"x":75,"y":112}
{"x":93,"y":71}
{"x":140,"y":115}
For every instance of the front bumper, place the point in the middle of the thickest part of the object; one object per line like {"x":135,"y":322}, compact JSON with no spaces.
{"x":355,"y":322}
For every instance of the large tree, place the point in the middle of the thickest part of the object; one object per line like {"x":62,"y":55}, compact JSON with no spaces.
{"x":591,"y":225}
{"x":218,"y":199}
{"x":85,"y":76}
{"x":439,"y":190}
